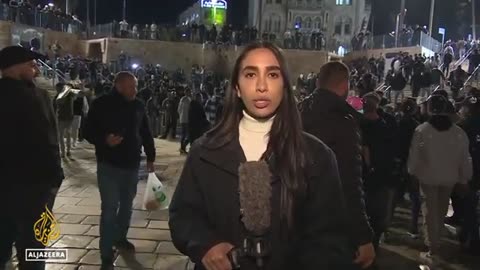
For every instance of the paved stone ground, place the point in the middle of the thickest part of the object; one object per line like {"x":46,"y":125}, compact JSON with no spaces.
{"x":77,"y":209}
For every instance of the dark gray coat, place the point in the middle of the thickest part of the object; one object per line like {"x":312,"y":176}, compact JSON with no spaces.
{"x":205,"y":210}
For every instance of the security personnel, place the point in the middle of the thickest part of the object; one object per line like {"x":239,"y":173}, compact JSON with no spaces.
{"x":30,"y":165}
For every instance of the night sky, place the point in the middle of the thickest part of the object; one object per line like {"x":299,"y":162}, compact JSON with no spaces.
{"x":448,"y":13}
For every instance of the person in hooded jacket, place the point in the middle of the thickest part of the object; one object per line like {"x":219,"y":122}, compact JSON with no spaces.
{"x":210,"y":218}
{"x":440,"y":158}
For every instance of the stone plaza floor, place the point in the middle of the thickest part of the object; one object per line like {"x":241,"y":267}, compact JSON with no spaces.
{"x":77,"y":209}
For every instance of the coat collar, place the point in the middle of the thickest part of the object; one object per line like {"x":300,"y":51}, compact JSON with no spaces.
{"x":227,"y":157}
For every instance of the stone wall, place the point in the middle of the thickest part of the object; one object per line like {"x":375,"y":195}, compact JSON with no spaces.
{"x":70,"y":42}
{"x":13,"y":34}
{"x":5,"y":34}
{"x":173,"y":55}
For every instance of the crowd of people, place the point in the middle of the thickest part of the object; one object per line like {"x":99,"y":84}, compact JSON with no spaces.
{"x":227,"y":35}
{"x":249,"y":130}
{"x":48,"y":16}
{"x":168,"y":96}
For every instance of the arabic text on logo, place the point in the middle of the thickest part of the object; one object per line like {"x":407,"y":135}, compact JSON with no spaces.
{"x":46,"y":228}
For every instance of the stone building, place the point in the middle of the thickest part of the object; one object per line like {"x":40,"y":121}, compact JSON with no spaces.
{"x":338,"y":20}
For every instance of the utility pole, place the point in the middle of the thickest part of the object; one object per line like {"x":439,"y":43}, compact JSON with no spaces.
{"x":402,"y":15}
{"x":474,"y":22}
{"x":432,"y":12}
{"x":399,"y":22}
{"x":67,"y":7}
{"x":88,"y":17}
{"x":260,"y":17}
{"x":124,"y":10}
{"x":95,"y":12}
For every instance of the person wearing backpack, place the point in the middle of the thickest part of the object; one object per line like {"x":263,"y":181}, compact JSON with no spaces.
{"x":469,"y":234}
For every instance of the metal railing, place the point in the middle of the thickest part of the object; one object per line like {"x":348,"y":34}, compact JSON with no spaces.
{"x":471,"y":79}
{"x":57,"y":76}
{"x":461,"y":60}
{"x":404,"y":40}
{"x":35,"y":17}
{"x":187,"y":34}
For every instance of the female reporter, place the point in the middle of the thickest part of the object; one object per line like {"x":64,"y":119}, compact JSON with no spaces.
{"x":256,"y":191}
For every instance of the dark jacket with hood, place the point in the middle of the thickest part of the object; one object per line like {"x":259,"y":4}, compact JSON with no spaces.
{"x":205,"y":210}
{"x":30,"y":157}
{"x":113,"y":114}
{"x":332,"y":120}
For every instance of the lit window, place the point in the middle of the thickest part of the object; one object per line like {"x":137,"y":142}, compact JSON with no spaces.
{"x":344,"y":2}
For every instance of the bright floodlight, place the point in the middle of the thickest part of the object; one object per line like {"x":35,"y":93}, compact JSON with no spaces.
{"x":135,"y":66}
{"x":51,"y":4}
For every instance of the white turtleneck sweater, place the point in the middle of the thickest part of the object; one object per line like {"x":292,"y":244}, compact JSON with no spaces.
{"x":254,"y":136}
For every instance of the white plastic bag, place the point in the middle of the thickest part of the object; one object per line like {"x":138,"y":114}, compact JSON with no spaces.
{"x":155,"y":197}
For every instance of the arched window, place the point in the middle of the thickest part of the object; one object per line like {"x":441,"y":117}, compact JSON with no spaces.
{"x":266,"y":25}
{"x":338,"y":26}
{"x":317,"y":23}
{"x":275,"y":19}
{"x":308,"y":22}
{"x":347,"y":26}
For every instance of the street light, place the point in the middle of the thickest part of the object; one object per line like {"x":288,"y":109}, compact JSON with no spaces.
{"x":124,"y":10}
{"x":474,"y":23}
{"x":432,"y":11}
{"x":95,"y":12}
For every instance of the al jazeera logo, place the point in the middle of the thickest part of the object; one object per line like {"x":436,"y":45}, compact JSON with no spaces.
{"x":46,"y":230}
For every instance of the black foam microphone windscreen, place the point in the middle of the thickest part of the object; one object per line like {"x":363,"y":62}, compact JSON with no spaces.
{"x":255,"y":186}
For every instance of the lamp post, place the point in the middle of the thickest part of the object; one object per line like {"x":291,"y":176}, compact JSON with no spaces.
{"x":124,"y":10}
{"x":432,"y":12}
{"x":95,"y":12}
{"x":474,"y":23}
{"x":260,"y":11}
{"x":400,"y":21}
{"x":88,"y":17}
{"x":67,"y":7}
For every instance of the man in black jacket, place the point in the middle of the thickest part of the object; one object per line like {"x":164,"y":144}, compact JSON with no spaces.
{"x":30,"y":164}
{"x":117,"y":125}
{"x":328,"y":116}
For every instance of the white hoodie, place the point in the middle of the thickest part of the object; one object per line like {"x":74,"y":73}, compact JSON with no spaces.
{"x":440,"y":158}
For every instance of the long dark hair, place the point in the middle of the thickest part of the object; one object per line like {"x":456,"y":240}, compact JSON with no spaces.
{"x":286,"y":144}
